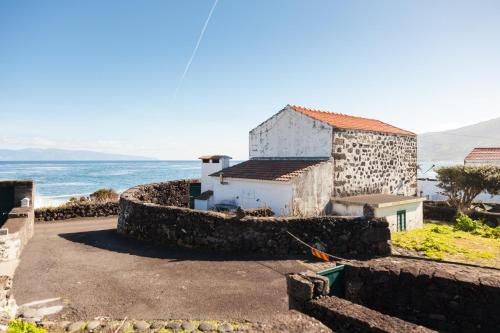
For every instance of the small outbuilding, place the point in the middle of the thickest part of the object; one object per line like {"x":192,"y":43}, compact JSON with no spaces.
{"x":402,"y":212}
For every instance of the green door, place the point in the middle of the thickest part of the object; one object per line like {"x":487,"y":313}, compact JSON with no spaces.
{"x":401,"y":220}
{"x":194,"y":191}
{"x":6,"y":202}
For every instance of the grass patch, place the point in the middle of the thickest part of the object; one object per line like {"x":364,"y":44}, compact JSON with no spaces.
{"x":444,"y":241}
{"x":19,"y":326}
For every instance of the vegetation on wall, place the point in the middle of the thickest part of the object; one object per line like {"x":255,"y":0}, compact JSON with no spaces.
{"x":102,"y":195}
{"x":462,"y":184}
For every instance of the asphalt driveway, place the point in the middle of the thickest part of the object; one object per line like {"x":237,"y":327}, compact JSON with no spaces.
{"x":97,"y":272}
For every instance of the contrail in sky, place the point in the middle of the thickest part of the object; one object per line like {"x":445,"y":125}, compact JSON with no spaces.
{"x":195,"y":48}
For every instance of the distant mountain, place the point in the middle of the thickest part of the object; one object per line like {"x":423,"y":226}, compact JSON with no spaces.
{"x":35,"y":154}
{"x":454,"y":145}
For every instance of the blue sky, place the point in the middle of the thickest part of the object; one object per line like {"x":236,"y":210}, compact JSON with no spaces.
{"x":102,"y":75}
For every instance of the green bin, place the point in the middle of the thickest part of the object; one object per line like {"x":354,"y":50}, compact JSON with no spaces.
{"x":336,"y":277}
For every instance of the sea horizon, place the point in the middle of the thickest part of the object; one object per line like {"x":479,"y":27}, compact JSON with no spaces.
{"x":57,"y":181}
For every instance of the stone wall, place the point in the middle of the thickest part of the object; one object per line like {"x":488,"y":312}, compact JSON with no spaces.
{"x":173,"y":193}
{"x":438,"y":210}
{"x":18,"y":227}
{"x":344,"y":316}
{"x":258,"y":212}
{"x":77,"y":210}
{"x":368,"y":162}
{"x":492,"y":219}
{"x":446,"y":297}
{"x":441,"y":211}
{"x":15,"y":233}
{"x":142,"y":218}
{"x":308,"y":292}
{"x":7,"y":303}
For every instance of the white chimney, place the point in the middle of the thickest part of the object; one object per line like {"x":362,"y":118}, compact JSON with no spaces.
{"x":211,"y":164}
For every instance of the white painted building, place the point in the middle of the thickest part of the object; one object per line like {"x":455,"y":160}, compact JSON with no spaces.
{"x":301,"y":158}
{"x":402,"y":213}
{"x":288,"y":187}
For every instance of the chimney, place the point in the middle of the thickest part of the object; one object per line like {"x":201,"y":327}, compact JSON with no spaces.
{"x":209,"y":165}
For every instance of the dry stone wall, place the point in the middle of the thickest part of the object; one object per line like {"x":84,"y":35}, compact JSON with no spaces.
{"x":77,"y":210}
{"x":309,"y":292}
{"x":445,"y":297}
{"x":143,"y":218}
{"x":369,"y":162}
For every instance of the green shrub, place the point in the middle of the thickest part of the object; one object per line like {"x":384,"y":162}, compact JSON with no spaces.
{"x":104,"y":195}
{"x":476,"y":227}
{"x":19,"y":326}
{"x":465,"y":223}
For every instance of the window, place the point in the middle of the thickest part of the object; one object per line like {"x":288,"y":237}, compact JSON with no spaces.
{"x":401,"y":220}
{"x":215,"y":160}
{"x":206,"y":160}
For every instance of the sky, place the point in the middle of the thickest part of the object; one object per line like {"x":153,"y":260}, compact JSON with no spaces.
{"x":134,"y":77}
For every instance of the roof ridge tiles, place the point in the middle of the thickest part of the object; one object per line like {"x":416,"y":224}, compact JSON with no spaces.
{"x":349,"y":121}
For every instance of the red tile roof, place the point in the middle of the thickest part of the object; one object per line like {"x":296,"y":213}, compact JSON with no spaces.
{"x":482,"y":154}
{"x":344,"y":121}
{"x":275,"y":170}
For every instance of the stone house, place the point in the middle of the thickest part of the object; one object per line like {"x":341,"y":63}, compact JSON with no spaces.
{"x":301,"y":160}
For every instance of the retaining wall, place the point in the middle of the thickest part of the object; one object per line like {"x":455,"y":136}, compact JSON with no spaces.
{"x":15,"y":233}
{"x":446,"y":297}
{"x":144,"y":215}
{"x":308,"y":292}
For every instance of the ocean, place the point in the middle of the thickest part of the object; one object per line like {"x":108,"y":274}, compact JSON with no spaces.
{"x":57,"y":181}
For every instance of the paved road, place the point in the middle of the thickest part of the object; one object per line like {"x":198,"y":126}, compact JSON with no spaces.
{"x":98,"y":272}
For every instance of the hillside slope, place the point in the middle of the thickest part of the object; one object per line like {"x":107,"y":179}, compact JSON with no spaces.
{"x":454,"y":145}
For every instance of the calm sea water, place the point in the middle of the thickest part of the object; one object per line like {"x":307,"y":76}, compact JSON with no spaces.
{"x":57,"y":181}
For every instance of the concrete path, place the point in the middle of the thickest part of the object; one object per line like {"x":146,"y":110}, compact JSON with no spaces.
{"x":97,"y":272}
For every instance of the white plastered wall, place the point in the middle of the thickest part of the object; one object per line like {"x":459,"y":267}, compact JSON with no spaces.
{"x":414,"y":215}
{"x":290,"y":134}
{"x":254,"y":194}
{"x":347,"y":209}
{"x":312,"y":190}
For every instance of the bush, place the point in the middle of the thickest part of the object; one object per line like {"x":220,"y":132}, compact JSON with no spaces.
{"x":476,"y":227}
{"x":104,"y":195}
{"x":465,"y":223}
{"x":19,"y":326}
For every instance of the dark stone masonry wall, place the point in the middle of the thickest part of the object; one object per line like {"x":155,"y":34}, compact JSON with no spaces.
{"x":79,"y":210}
{"x":142,"y":218}
{"x":173,"y":193}
{"x":309,"y":292}
{"x":368,"y":162}
{"x":438,"y":210}
{"x":445,"y":297}
{"x":344,"y":316}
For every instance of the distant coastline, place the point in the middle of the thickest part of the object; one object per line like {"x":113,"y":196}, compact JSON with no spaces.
{"x":37,"y":154}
